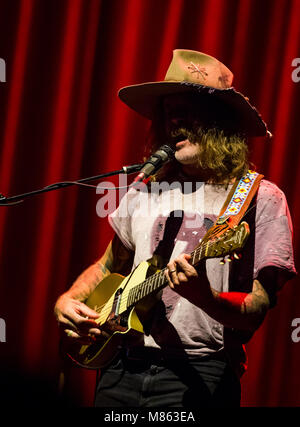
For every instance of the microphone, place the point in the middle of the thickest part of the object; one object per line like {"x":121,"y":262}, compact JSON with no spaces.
{"x":155,"y":162}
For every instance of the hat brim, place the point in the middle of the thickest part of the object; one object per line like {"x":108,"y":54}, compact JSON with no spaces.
{"x":144,"y":98}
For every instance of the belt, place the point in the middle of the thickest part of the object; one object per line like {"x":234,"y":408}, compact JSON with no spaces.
{"x":144,"y":354}
{"x":150,"y":354}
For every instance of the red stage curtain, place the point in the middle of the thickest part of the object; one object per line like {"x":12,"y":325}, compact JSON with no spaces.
{"x":62,"y":120}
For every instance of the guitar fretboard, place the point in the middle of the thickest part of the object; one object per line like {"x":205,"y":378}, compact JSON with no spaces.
{"x":158,"y":280}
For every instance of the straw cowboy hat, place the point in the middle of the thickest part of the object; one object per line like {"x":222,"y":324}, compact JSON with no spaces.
{"x":196,"y":72}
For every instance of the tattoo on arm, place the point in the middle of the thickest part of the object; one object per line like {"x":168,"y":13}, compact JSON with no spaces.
{"x":257,"y":301}
{"x":240,"y":310}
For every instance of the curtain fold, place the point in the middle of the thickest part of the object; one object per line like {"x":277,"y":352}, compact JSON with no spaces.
{"x":62,"y":120}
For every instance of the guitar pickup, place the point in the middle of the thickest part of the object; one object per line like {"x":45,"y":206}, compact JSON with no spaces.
{"x":117,"y":301}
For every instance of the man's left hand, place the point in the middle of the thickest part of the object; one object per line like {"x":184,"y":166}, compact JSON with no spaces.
{"x":184,"y":279}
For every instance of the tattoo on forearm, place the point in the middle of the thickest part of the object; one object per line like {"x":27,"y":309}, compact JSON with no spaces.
{"x":241,"y":310}
{"x":258,"y":301}
{"x":103,"y":269}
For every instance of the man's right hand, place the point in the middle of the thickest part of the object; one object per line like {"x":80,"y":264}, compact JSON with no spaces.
{"x":76,"y":320}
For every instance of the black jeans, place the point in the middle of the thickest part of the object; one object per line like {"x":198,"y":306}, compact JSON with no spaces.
{"x":202,"y":382}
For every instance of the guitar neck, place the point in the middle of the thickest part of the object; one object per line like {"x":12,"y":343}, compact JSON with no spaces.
{"x":158,"y":280}
{"x":221,"y":240}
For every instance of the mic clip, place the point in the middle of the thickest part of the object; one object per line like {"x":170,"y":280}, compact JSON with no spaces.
{"x":132,"y":168}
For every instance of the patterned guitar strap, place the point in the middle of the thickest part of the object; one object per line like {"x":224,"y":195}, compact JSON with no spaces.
{"x":239,"y":199}
{"x":236,"y":204}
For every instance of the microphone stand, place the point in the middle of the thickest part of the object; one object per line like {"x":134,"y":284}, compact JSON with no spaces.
{"x":8,"y":201}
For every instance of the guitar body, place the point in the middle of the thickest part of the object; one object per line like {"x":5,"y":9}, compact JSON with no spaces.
{"x":103,"y":300}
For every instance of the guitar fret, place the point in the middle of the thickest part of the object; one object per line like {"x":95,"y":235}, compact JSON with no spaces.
{"x":150,"y":286}
{"x":135,"y":292}
{"x":199,"y":250}
{"x":140,"y":291}
{"x":144,"y":289}
{"x":160,"y":279}
{"x":200,"y":253}
{"x":157,"y":282}
{"x":130,"y":298}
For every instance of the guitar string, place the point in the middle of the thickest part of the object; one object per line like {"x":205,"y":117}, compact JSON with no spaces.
{"x":146,"y":282}
{"x":150,"y":279}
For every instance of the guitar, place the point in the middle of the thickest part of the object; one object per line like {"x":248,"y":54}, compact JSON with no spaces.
{"x":123,"y":302}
